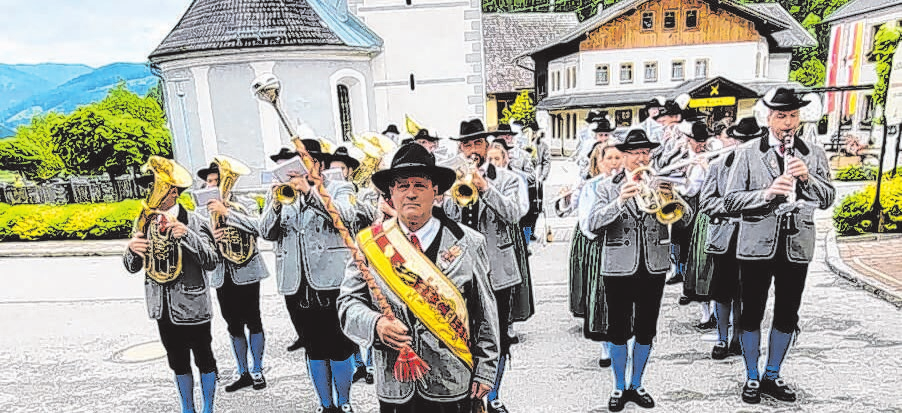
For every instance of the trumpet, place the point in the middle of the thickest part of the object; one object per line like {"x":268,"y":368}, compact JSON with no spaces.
{"x":285,"y":194}
{"x":464,"y":192}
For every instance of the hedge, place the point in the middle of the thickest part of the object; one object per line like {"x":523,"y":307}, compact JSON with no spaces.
{"x":64,"y":222}
{"x":862,"y":173}
{"x":849,"y":217}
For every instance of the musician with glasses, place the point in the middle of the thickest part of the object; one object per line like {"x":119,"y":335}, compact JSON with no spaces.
{"x":238,"y":284}
{"x":310,"y":264}
{"x":634,"y":258}
{"x":776,"y":236}
{"x":182,"y":307}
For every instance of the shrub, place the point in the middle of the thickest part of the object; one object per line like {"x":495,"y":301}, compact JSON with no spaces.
{"x":64,"y":222}
{"x":850,"y":216}
{"x":857,"y":173}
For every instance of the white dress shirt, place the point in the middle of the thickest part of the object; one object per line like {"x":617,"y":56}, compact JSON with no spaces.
{"x":426,"y":234}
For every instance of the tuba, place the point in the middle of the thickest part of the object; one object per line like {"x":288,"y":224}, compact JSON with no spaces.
{"x":235,"y":246}
{"x":163,"y":260}
{"x":464,"y":192}
{"x":374,"y":146}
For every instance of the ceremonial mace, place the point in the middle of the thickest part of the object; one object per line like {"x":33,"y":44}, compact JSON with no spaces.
{"x":409,"y":366}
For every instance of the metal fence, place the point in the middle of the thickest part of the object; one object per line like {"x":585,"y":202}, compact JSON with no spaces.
{"x":74,"y":190}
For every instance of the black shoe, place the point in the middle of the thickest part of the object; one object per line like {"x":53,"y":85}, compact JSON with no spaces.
{"x":720,"y":351}
{"x":604,"y":363}
{"x":495,"y":406}
{"x":244,"y":381}
{"x":735,"y":349}
{"x":297,"y":345}
{"x":684,"y":300}
{"x":676,"y":279}
{"x":640,"y":397}
{"x":259,"y":381}
{"x":369,"y":378}
{"x":617,"y":401}
{"x":344,"y":409}
{"x":359,"y":374}
{"x":751,"y":392}
{"x":778,"y":390}
{"x":707,"y":325}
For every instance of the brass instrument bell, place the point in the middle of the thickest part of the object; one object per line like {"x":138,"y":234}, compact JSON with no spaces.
{"x":235,"y":246}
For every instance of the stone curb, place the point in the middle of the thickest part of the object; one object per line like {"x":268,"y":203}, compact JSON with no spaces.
{"x":839,"y":267}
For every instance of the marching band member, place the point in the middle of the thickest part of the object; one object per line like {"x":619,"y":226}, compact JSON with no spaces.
{"x":182,"y":307}
{"x":392,"y":133}
{"x":539,"y":156}
{"x":238,"y":285}
{"x":633,"y":263}
{"x":586,"y":138}
{"x":601,"y":128}
{"x":461,"y":368}
{"x":651,"y":125}
{"x":773,"y":244}
{"x":426,"y":140}
{"x":496,"y":214}
{"x":605,"y":162}
{"x":720,"y":241}
{"x":310,"y":263}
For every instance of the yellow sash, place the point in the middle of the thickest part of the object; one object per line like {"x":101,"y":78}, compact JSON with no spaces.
{"x":426,"y":291}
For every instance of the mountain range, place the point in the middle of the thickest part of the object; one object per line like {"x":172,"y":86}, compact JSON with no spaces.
{"x":27,"y":90}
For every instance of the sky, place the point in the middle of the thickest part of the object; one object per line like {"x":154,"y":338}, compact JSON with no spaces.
{"x":91,"y":32}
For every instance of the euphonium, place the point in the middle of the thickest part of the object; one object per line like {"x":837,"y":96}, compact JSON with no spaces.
{"x":163,"y":259}
{"x":464,"y":192}
{"x":374,"y":146}
{"x":235,"y":246}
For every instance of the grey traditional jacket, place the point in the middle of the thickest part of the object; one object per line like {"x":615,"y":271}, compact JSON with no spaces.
{"x":628,"y":232}
{"x":722,"y":225}
{"x":187,"y":298}
{"x":252,"y":271}
{"x":499,"y":208}
{"x":306,"y":242}
{"x":542,"y":162}
{"x":754,"y":170}
{"x":520,"y":160}
{"x":449,"y":378}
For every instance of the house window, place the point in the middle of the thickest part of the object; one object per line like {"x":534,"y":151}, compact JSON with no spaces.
{"x":623,"y":117}
{"x":871,"y":57}
{"x":651,"y":72}
{"x":567,"y":79}
{"x":670,"y":20}
{"x":573,"y":77}
{"x":409,"y":2}
{"x":626,"y":73}
{"x":677,"y":71}
{"x":557,"y":80}
{"x":648,"y":20}
{"x":542,"y":83}
{"x":701,"y":68}
{"x":344,"y":112}
{"x":602,"y":75}
{"x":691,"y":19}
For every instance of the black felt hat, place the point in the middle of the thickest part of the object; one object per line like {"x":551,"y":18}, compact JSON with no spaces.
{"x":391,"y":129}
{"x":783,"y":99}
{"x":503,"y":129}
{"x":284,"y":154}
{"x":657,"y":102}
{"x":636,"y":139}
{"x":603,"y":125}
{"x":472,"y":129}
{"x":746,"y":130}
{"x":424,"y":134}
{"x":697,"y":131}
{"x":212,"y":169}
{"x":670,"y":108}
{"x":594,"y":116}
{"x":414,"y":159}
{"x":341,"y":155}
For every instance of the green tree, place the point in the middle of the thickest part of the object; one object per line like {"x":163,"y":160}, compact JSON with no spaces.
{"x":522,"y":109}
{"x":31,"y":151}
{"x":156,"y":93}
{"x":885,"y":44}
{"x":113,"y":135}
{"x":811,"y":73}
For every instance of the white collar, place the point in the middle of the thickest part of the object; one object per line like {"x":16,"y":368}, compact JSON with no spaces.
{"x":174,"y":211}
{"x":774,"y":142}
{"x":426,"y":234}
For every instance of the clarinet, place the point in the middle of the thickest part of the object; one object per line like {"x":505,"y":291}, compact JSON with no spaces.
{"x":788,"y":221}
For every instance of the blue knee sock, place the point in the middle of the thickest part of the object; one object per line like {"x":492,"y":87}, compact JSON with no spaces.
{"x":722,"y":315}
{"x":258,"y":343}
{"x":493,"y":394}
{"x":751,"y":349}
{"x":618,"y":364}
{"x":528,"y":232}
{"x":185,"y":385}
{"x":343,"y":376}
{"x":239,"y":346}
{"x":208,"y":388}
{"x":358,"y":359}
{"x":321,"y":375}
{"x":776,"y":352}
{"x":737,"y":306}
{"x":640,"y":359}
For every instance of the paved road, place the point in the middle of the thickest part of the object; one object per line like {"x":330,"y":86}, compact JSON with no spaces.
{"x":66,"y":319}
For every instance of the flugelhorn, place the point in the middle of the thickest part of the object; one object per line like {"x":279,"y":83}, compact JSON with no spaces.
{"x":464,"y":192}
{"x":163,"y":259}
{"x":235,"y":246}
{"x":667,"y":206}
